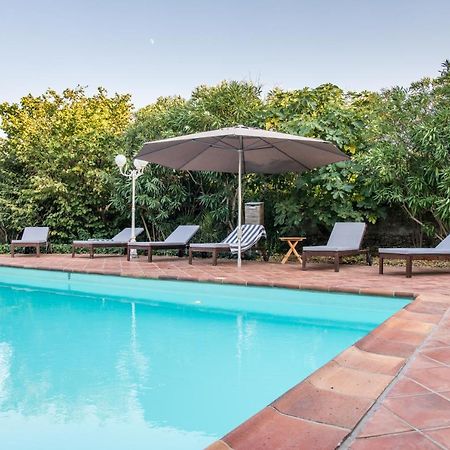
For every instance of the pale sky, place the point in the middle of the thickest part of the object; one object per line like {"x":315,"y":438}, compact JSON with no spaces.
{"x":166,"y":47}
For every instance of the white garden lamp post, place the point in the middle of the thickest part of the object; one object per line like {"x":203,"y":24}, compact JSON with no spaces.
{"x":133,"y":174}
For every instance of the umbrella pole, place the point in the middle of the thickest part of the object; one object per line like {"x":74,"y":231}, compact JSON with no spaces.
{"x":239,"y":230}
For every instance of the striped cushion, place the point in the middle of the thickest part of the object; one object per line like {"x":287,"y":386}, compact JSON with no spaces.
{"x":251,"y":234}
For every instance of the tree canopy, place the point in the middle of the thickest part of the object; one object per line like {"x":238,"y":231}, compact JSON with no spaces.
{"x":57,"y":169}
{"x":53,"y":161}
{"x":409,"y":164}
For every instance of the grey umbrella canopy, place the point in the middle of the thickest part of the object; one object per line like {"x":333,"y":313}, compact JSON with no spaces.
{"x":241,"y":150}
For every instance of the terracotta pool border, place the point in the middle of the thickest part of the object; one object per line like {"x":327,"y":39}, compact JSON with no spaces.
{"x":327,"y":408}
{"x":324,"y":409}
{"x":218,"y":280}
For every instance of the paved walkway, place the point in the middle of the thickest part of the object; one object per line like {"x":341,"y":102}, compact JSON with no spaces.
{"x":389,"y":390}
{"x":352,"y":278}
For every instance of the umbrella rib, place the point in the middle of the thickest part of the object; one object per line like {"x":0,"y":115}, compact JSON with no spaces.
{"x":227,"y":146}
{"x":196,"y":156}
{"x":220,"y":139}
{"x":181,"y":142}
{"x":202,"y":151}
{"x":284,"y":153}
{"x":171,"y":145}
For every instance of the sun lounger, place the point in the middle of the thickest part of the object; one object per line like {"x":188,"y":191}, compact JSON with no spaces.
{"x":120,"y":240}
{"x":251,"y":234}
{"x":345,"y":240}
{"x":35,"y":237}
{"x":177,"y":240}
{"x":441,"y":251}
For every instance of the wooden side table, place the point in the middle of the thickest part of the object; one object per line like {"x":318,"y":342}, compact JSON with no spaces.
{"x":292,"y":241}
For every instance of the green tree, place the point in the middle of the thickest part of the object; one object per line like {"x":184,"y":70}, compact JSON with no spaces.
{"x":167,"y":197}
{"x":326,"y":112}
{"x":52,"y":163}
{"x":320,"y":198}
{"x":314,"y":200}
{"x":410,"y":164}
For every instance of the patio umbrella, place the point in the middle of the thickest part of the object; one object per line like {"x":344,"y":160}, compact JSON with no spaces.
{"x":241,"y":150}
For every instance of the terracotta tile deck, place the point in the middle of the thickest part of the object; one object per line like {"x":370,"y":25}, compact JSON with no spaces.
{"x":390,"y":390}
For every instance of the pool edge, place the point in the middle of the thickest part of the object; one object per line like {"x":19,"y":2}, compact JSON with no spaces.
{"x":326,"y":409}
{"x":298,"y":286}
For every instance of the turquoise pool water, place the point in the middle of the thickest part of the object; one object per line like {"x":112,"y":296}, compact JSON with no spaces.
{"x":97,"y":362}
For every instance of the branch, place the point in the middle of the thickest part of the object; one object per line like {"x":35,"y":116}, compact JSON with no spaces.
{"x":443,"y":228}
{"x":441,"y":225}
{"x":411,"y":216}
{"x":193,"y":179}
{"x":145,"y":226}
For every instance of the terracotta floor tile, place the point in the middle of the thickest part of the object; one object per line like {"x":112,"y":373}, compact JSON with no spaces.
{"x":421,"y":361}
{"x":443,"y":331}
{"x":445,"y":394}
{"x":435,"y":378}
{"x":218,"y":445}
{"x":441,"y":436}
{"x":441,"y":355}
{"x":308,"y":402}
{"x":371,"y":343}
{"x":438,"y":297}
{"x":423,"y":317}
{"x":434,"y":342}
{"x":413,"y":326}
{"x":355,"y":358}
{"x":343,"y":380}
{"x":398,"y":335}
{"x":376,"y":291}
{"x":384,"y":421}
{"x":270,"y":430}
{"x":403,"y":441}
{"x":406,"y":387}
{"x":427,"y":307}
{"x":423,"y":411}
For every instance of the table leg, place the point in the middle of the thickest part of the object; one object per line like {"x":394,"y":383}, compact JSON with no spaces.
{"x":296,"y":254}
{"x":291,"y":250}
{"x":286,"y":256}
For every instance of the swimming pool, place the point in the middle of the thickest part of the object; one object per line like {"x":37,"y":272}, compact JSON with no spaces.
{"x":104,"y":362}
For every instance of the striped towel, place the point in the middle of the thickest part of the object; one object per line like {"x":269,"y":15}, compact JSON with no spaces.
{"x":251,"y":234}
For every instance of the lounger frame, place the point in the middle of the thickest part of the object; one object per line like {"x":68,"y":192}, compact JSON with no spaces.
{"x":120,"y":240}
{"x":35,"y":245}
{"x":409,"y":258}
{"x":337,"y":255}
{"x":93,"y":245}
{"x":220,"y":248}
{"x":178,"y":240}
{"x":148,"y":247}
{"x":214,"y":249}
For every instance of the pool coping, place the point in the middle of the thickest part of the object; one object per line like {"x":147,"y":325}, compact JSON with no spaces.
{"x":330,"y":408}
{"x":219,"y":280}
{"x":325,"y":409}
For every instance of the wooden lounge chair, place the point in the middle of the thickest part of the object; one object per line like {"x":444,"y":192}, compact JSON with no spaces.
{"x":35,"y":237}
{"x":251,"y":234}
{"x":177,"y":240}
{"x":120,"y":240}
{"x":441,"y":251}
{"x":345,"y":240}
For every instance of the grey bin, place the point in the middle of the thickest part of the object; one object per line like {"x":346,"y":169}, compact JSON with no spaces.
{"x":254,"y":213}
